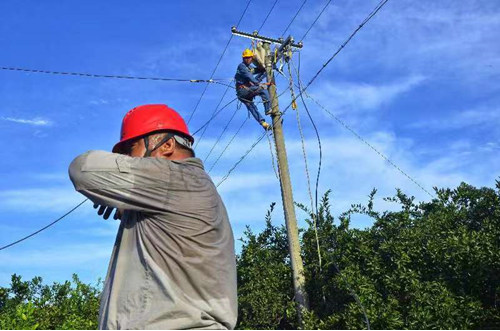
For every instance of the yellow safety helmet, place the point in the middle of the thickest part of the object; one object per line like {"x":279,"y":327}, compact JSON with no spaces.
{"x":247,"y":53}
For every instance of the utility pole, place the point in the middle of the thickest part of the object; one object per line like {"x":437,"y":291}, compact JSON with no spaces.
{"x":284,"y":173}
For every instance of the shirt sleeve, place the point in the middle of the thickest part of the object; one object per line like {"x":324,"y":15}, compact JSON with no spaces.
{"x":121,"y":181}
{"x":260,"y":76}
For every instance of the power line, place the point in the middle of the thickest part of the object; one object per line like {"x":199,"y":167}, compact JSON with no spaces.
{"x":269,"y":13}
{"x":317,"y":18}
{"x":86,"y":74}
{"x":272,"y":155}
{"x":370,"y":145}
{"x":368,"y":18}
{"x":293,"y":19}
{"x":315,"y":130}
{"x":235,"y":133}
{"x":353,"y":294}
{"x":228,"y":144}
{"x":214,"y":116}
{"x":308,"y":177}
{"x":350,"y":129}
{"x":217,"y":65}
{"x":215,"y":110}
{"x":225,"y":128}
{"x":221,"y":134}
{"x":45,"y":227}
{"x":241,"y":159}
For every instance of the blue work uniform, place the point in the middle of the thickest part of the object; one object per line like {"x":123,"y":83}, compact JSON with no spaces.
{"x":247,"y":87}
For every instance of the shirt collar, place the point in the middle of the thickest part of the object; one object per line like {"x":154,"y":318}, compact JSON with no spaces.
{"x":194,"y":161}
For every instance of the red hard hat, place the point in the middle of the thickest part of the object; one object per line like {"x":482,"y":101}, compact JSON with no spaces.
{"x":150,"y":118}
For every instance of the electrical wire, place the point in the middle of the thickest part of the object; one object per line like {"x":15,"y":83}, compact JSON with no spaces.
{"x":214,"y":116}
{"x":272,"y":155}
{"x":317,"y":18}
{"x":284,"y":91}
{"x":215,"y":110}
{"x":317,"y":135}
{"x":314,"y":215}
{"x":45,"y":227}
{"x":373,"y":13}
{"x":366,"y":20}
{"x":353,"y":294}
{"x":220,"y":135}
{"x":370,"y":145}
{"x":269,"y":13}
{"x":84,"y":74}
{"x":228,"y":144}
{"x":223,"y":179}
{"x":293,"y":19}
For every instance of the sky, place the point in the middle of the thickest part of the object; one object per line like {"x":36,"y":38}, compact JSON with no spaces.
{"x":419,"y":83}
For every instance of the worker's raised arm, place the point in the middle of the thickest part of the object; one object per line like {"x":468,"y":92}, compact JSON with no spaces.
{"x":121,"y":181}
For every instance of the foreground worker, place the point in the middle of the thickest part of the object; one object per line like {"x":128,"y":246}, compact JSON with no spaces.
{"x":173,"y":264}
{"x":248,"y":86}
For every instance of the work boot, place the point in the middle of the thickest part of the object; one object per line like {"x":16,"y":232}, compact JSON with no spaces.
{"x":265,"y":125}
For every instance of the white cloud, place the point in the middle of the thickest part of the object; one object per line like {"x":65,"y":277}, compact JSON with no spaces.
{"x":35,"y":121}
{"x":347,"y":96}
{"x":461,"y":120}
{"x":352,"y":169}
{"x":443,"y":39}
{"x":61,"y":256}
{"x":246,"y":181}
{"x":36,"y":199}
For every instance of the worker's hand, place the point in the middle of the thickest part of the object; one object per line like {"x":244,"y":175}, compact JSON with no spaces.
{"x":264,"y":86}
{"x":105,"y":211}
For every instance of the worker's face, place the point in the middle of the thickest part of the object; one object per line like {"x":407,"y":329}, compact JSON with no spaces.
{"x":247,"y":60}
{"x":137,"y":148}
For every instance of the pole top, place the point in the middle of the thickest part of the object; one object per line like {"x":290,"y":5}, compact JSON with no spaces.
{"x":255,"y":36}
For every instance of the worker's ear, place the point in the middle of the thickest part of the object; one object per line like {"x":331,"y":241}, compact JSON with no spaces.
{"x":168,"y":148}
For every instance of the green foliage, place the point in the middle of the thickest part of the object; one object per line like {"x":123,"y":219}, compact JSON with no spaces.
{"x":32,"y":305}
{"x":433,"y":265}
{"x":264,"y":278}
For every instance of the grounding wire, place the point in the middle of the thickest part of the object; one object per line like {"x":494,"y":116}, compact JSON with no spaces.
{"x":293,"y":19}
{"x":317,"y":18}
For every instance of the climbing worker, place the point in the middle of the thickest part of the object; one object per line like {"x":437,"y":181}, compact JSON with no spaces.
{"x":248,"y":86}
{"x":173,"y":264}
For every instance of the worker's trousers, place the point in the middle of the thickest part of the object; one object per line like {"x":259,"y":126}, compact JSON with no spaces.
{"x":246,"y":95}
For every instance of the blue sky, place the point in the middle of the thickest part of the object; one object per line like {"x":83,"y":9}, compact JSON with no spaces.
{"x":419,"y":82}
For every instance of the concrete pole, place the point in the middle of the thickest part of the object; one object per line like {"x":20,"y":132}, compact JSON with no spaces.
{"x":286,"y":192}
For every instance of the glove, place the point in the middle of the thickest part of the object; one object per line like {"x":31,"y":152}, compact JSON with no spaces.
{"x":105,"y":211}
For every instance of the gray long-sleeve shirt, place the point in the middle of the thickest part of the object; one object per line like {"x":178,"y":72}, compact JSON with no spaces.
{"x":173,"y":264}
